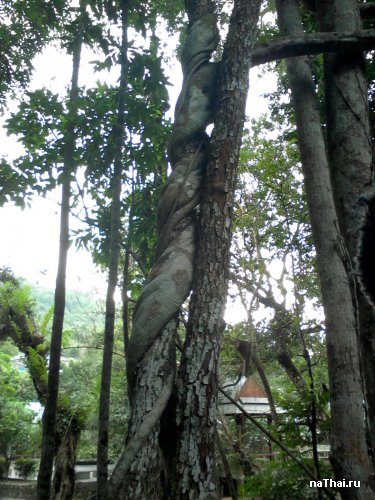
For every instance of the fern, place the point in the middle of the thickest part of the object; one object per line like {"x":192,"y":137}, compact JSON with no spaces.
{"x":18,"y":298}
{"x":45,"y":321}
{"x":37,"y":365}
{"x":16,"y":330}
{"x":66,"y":336}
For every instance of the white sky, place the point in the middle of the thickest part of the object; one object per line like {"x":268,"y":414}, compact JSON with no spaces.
{"x":29,"y":238}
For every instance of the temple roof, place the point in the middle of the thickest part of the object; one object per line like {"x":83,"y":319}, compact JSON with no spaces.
{"x":251,"y":389}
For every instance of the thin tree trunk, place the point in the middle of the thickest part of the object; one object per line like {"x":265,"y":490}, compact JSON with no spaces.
{"x":21,"y":328}
{"x":125,"y":299}
{"x":284,"y":359}
{"x":313,"y":417}
{"x":348,"y":436}
{"x":126,"y":274}
{"x":255,"y":362}
{"x":197,"y":389}
{"x":105,"y":388}
{"x":275,"y":440}
{"x":351,"y":161}
{"x":49,"y":415}
{"x":263,"y":377}
{"x":228,"y":473}
{"x":282,"y":323}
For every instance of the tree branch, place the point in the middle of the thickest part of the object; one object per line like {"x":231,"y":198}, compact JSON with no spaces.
{"x":97,"y":348}
{"x":312,"y":43}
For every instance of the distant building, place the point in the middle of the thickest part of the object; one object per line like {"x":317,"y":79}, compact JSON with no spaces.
{"x":250,"y":395}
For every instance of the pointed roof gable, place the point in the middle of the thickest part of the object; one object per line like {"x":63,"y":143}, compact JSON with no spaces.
{"x":251,"y":389}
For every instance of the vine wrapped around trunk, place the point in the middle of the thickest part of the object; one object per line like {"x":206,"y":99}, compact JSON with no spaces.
{"x":151,"y":360}
{"x":170,"y":279}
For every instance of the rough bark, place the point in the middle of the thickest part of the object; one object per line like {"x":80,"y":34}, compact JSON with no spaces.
{"x":49,"y":415}
{"x":151,"y":375}
{"x":66,"y":446}
{"x":348,"y":437}
{"x":197,"y":390}
{"x":312,"y":43}
{"x":351,"y":161}
{"x":141,"y":471}
{"x":110,"y":307}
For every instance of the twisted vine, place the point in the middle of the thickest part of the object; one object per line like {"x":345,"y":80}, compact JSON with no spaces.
{"x":170,"y":279}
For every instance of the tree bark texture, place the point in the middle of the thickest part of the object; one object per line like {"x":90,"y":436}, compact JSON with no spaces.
{"x":348,"y":436}
{"x":141,"y":471}
{"x":197,"y":385}
{"x":351,"y":161}
{"x":49,"y":415}
{"x":67,"y":434}
{"x":151,"y":375}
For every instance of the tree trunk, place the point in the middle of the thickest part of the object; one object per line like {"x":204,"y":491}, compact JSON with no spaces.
{"x":197,"y":386}
{"x":282,"y":323}
{"x":351,"y":162}
{"x":49,"y":415}
{"x":141,"y":471}
{"x":125,"y":298}
{"x":66,"y":445}
{"x":263,"y":377}
{"x":348,"y":436}
{"x":110,"y":308}
{"x":126,"y":274}
{"x":286,"y":362}
{"x":151,"y":375}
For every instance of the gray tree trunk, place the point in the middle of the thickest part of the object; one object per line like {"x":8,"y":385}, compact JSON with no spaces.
{"x":197,"y":386}
{"x":50,"y":410}
{"x":348,"y":437}
{"x":144,"y":472}
{"x":351,"y":162}
{"x":110,"y":307}
{"x":21,"y":328}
